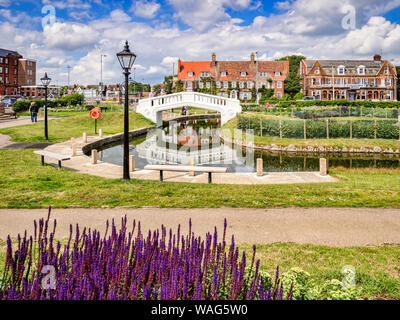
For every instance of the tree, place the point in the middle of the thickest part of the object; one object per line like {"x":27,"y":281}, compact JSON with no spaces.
{"x":178,"y":86}
{"x":168,"y":82}
{"x":293,"y":81}
{"x":293,"y":84}
{"x":157,"y":88}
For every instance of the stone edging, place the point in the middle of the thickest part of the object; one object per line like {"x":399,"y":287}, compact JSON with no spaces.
{"x":309,"y":149}
{"x":119,"y":137}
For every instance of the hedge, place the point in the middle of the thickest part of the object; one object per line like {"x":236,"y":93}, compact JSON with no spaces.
{"x":321,"y":129}
{"x":71,"y":100}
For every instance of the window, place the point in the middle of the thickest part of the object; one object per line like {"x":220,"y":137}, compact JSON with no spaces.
{"x":363,"y":95}
{"x":1,"y":79}
{"x":361,"y":70}
{"x":15,"y":81}
{"x":279,"y":84}
{"x":1,"y":69}
{"x":243,"y":74}
{"x":387,"y":70}
{"x":241,"y":85}
{"x":263,"y":74}
{"x":382,"y":82}
{"x":208,"y":85}
{"x":6,"y":60}
{"x":388,"y":95}
{"x":277,"y":73}
{"x":259,"y":85}
{"x":373,"y":82}
{"x":15,"y":71}
{"x":233,"y":84}
{"x":6,"y":70}
{"x":190,"y":74}
{"x":223,"y":74}
{"x":343,"y":93}
{"x":313,"y":82}
{"x":225,"y":84}
{"x":204,"y":74}
{"x":6,"y":79}
{"x":388,"y":82}
{"x":189,"y":85}
{"x":218,"y":84}
{"x":1,"y":60}
{"x":318,"y":81}
{"x":249,"y":84}
{"x":317,"y":70}
{"x":279,"y":95}
{"x":341,"y":70}
{"x":201,"y":85}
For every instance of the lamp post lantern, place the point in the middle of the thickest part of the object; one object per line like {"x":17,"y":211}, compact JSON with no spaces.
{"x":45,"y":81}
{"x":126,"y":59}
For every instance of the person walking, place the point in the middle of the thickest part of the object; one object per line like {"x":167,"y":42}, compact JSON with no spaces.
{"x":33,"y":109}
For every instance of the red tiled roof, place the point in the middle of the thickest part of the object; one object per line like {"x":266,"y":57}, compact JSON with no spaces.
{"x":192,"y":66}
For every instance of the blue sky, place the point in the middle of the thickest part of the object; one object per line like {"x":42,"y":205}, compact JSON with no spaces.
{"x":161,"y":31}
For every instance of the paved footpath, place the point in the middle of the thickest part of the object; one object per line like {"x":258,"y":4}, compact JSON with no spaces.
{"x":321,"y":226}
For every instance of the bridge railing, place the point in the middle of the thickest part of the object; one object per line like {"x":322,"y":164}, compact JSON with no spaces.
{"x":188,"y":97}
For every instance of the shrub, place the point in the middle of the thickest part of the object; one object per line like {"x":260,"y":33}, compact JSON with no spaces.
{"x":71,"y":100}
{"x":121,"y":266}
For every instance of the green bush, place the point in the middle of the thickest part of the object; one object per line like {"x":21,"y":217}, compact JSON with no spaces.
{"x":71,"y":100}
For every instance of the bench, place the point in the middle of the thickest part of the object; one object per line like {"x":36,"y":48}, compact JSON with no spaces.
{"x":51,"y":155}
{"x":162,"y":168}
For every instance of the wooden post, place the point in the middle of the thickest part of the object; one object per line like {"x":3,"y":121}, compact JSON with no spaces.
{"x":305,"y":129}
{"x":327,"y":128}
{"x":280,"y":129}
{"x":191,"y":173}
{"x":100,"y":133}
{"x":261,"y":128}
{"x":323,"y":167}
{"x":72,"y":142}
{"x":132,"y":163}
{"x":260,"y":167}
{"x":94,"y":156}
{"x":351,"y":129}
{"x":84,"y":137}
{"x":74,"y":153}
{"x":361,"y":113}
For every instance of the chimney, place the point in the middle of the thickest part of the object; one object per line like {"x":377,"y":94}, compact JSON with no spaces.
{"x":252,"y":57}
{"x":377,"y":58}
{"x":214,"y":58}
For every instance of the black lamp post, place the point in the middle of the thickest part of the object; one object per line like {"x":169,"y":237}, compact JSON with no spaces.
{"x":45,"y":81}
{"x":126,"y":58}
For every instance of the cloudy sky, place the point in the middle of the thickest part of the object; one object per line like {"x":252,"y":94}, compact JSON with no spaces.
{"x":58,"y":33}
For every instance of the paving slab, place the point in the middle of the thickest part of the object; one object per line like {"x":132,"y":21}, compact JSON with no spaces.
{"x":320,"y":226}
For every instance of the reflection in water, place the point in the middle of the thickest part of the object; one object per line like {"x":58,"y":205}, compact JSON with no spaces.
{"x":200,"y":142}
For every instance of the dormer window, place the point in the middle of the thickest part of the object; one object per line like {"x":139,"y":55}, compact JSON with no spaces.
{"x":190,"y":74}
{"x":223,"y":74}
{"x":317,"y":70}
{"x":341,"y":70}
{"x":263,"y":74}
{"x":243,"y":73}
{"x":361,"y":70}
{"x":277,"y":73}
{"x":387,"y":70}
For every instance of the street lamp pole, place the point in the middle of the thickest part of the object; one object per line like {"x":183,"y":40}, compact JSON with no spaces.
{"x":45,"y":81}
{"x":126,"y":59}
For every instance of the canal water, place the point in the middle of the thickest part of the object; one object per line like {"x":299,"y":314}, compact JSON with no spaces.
{"x":200,"y":142}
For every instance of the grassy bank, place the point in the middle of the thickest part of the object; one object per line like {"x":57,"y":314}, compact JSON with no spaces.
{"x":315,"y":143}
{"x":24,"y":183}
{"x":377,"y":268}
{"x":65,"y":128}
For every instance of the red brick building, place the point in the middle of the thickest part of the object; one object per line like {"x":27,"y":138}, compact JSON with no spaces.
{"x":26,"y":72}
{"x":233,"y":79}
{"x":9,"y":72}
{"x":349,"y":79}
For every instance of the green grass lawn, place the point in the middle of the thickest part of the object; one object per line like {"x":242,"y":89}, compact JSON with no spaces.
{"x":24,"y":183}
{"x":65,"y":128}
{"x":315,"y":143}
{"x":377,"y":268}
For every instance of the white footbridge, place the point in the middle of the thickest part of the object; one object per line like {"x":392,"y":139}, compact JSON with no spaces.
{"x":152,"y":108}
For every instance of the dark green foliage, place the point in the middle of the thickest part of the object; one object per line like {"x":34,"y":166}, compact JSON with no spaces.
{"x":71,"y":100}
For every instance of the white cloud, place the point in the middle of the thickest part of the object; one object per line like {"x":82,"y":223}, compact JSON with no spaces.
{"x":145,"y":9}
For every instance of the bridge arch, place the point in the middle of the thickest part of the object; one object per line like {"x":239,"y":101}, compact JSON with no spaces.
{"x":152,"y":108}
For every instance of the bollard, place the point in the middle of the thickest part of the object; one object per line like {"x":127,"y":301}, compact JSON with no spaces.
{"x":74,"y":153}
{"x":100,"y":133}
{"x":132,"y":163}
{"x":323,"y":167}
{"x":84,"y":137}
{"x":191,"y":173}
{"x":72,"y":142}
{"x":94,"y":156}
{"x":100,"y":155}
{"x":260,"y":167}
